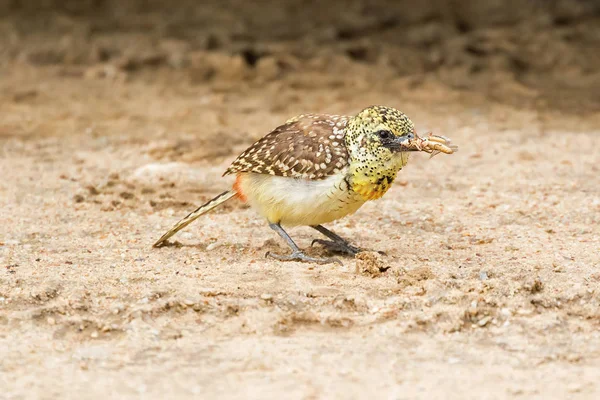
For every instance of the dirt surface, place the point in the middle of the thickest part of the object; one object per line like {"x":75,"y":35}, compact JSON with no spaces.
{"x":116,"y":120}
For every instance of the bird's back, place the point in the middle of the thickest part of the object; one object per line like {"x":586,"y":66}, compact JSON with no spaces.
{"x":309,"y":146}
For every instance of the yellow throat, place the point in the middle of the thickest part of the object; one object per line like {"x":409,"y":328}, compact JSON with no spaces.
{"x":373,"y":181}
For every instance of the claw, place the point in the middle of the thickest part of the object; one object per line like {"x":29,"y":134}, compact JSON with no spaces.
{"x":337,"y":246}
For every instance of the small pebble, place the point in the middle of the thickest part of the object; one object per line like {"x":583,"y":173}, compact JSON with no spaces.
{"x":266,"y":296}
{"x":213,"y":246}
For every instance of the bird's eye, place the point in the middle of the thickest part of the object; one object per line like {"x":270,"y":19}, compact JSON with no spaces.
{"x":383,"y":134}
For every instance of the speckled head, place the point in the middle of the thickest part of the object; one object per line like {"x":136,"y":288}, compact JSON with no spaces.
{"x":379,"y":131}
{"x":376,"y":139}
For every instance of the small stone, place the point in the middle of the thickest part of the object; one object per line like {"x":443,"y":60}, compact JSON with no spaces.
{"x":266,"y":296}
{"x":94,"y":334}
{"x":213,"y":246}
{"x":51,"y":321}
{"x":483,"y":275}
{"x":189,"y":302}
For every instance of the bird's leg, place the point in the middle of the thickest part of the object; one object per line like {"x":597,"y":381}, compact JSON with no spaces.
{"x":337,"y":243}
{"x":297,"y":254}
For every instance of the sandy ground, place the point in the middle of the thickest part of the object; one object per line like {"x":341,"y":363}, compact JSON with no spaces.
{"x":489,"y":289}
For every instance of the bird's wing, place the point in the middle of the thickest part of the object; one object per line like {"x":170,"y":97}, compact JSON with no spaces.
{"x":309,"y":146}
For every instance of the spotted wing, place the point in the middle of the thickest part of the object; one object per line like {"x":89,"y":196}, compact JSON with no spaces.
{"x":308,"y":146}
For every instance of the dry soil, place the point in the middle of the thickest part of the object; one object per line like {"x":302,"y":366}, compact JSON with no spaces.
{"x":116,"y":119}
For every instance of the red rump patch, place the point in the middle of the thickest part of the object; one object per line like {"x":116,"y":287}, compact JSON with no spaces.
{"x":237,"y":187}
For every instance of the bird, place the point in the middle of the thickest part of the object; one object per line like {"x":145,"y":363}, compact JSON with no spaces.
{"x":318,"y":168}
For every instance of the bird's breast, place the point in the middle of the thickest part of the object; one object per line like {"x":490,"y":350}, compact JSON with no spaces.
{"x":294,"y":201}
{"x":370,"y":189}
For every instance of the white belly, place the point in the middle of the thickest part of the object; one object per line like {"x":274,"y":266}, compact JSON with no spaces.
{"x":292,"y":201}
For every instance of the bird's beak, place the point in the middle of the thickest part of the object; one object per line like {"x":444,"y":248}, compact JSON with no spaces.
{"x":404,"y":143}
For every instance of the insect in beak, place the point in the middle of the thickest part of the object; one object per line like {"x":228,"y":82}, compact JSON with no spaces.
{"x":432,"y":144}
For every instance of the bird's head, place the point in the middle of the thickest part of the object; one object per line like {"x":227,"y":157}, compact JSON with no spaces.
{"x":378,"y":137}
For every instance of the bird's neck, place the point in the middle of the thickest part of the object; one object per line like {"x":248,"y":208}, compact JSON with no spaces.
{"x":371,"y":180}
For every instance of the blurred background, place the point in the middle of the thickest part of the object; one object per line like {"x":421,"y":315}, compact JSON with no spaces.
{"x":531,"y":52}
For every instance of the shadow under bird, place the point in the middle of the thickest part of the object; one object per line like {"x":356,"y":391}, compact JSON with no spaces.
{"x":317,"y":168}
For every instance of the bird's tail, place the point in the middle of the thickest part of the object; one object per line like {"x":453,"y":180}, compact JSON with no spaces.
{"x":203,"y":209}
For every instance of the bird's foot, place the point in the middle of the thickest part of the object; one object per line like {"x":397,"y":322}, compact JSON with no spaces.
{"x":300,"y":256}
{"x":338,"y":246}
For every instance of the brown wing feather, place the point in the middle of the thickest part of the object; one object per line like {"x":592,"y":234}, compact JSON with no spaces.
{"x":308,"y":146}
